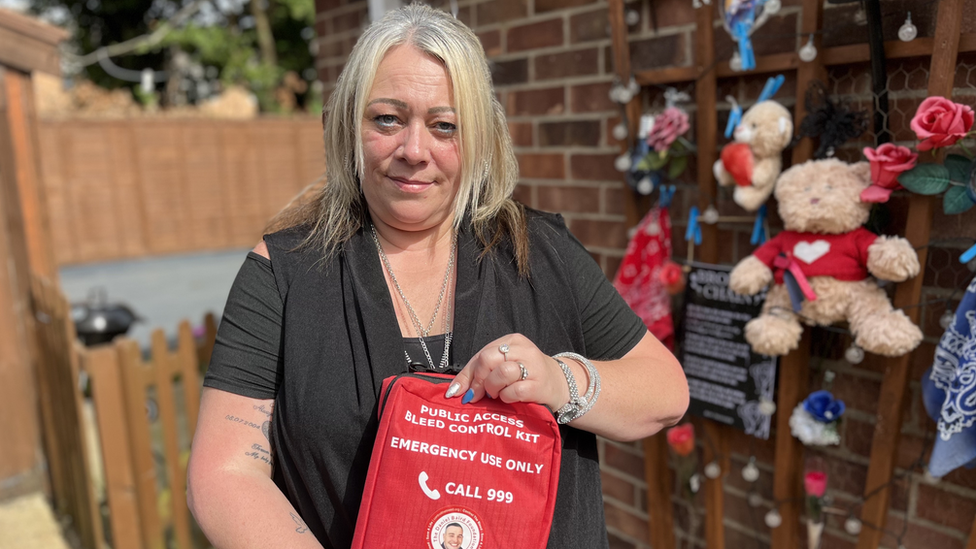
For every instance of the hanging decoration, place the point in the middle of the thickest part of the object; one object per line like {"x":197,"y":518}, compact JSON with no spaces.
{"x":661,"y":152}
{"x":820,"y":265}
{"x":815,"y":487}
{"x":815,"y":420}
{"x":741,"y":18}
{"x":808,"y":52}
{"x":754,"y":160}
{"x":907,"y":32}
{"x":639,"y":277}
{"x":939,"y":123}
{"x":681,"y":439}
{"x":831,"y":122}
{"x":949,"y":390}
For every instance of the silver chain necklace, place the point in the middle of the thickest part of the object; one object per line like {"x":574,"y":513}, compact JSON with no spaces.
{"x":421,"y":331}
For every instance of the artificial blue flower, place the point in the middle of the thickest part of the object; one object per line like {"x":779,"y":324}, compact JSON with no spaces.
{"x":823,"y":406}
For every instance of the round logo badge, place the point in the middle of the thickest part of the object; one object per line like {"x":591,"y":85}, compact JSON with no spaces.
{"x":455,"y":528}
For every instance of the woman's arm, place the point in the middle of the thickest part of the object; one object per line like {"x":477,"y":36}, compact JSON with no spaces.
{"x":229,"y":486}
{"x":642,"y":392}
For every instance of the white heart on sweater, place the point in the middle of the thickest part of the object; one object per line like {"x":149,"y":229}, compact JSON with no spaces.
{"x":810,"y":252}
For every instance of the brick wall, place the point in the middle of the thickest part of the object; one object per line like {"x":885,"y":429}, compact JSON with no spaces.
{"x":552,"y":67}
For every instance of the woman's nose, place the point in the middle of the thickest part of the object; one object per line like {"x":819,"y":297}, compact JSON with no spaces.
{"x":415,"y":147}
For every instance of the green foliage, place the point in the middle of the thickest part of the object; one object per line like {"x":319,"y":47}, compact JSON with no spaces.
{"x":958,"y":167}
{"x":956,"y":200}
{"x":925,"y":179}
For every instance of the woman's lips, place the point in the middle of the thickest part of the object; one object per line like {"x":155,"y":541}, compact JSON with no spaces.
{"x":410,"y":185}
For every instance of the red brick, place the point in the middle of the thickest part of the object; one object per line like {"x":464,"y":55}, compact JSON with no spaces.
{"x":523,"y":194}
{"x":321,"y":30}
{"x":569,"y":199}
{"x":619,"y":543}
{"x":513,"y":71}
{"x":617,"y":488}
{"x":945,"y":508}
{"x":491,"y":41}
{"x":622,"y":460}
{"x":846,"y":477}
{"x":601,"y":234}
{"x":498,"y":11}
{"x":521,"y":133}
{"x":611,"y":264}
{"x":613,"y":199}
{"x":565,"y":64}
{"x":464,"y":15}
{"x":672,"y":13}
{"x":584,"y":133}
{"x":326,"y":5}
{"x":542,"y":166}
{"x":535,"y":35}
{"x":594,"y":167}
{"x":663,"y":51}
{"x":592,"y":98}
{"x":918,"y":535}
{"x":531,"y":102}
{"x":963,"y":477}
{"x":857,"y":393}
{"x":542,"y":6}
{"x":350,"y":20}
{"x":592,"y":25}
{"x":626,"y":522}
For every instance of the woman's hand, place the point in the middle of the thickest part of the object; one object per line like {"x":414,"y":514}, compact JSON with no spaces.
{"x":500,"y":374}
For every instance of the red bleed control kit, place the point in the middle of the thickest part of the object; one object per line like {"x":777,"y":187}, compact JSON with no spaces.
{"x":446,"y":475}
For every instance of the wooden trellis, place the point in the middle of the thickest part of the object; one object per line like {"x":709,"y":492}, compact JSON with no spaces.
{"x":787,"y":487}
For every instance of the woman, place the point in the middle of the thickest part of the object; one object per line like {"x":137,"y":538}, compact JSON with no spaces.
{"x":413,"y":256}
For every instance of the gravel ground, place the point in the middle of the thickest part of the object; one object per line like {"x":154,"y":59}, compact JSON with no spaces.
{"x":28,"y":523}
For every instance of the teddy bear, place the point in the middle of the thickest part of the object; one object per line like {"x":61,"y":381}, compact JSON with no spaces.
{"x":753,"y":161}
{"x":820,"y":264}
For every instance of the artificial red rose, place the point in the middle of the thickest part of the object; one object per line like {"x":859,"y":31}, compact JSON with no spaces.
{"x":939,"y":122}
{"x":681,"y":439}
{"x":815,"y":483}
{"x":887,"y":162}
{"x":672,"y":277}
{"x":667,"y":127}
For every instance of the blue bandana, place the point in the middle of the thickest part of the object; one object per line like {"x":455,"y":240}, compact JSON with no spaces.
{"x":949,"y":391}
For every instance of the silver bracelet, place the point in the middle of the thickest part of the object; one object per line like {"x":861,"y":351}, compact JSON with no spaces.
{"x":593,"y":389}
{"x":570,"y":410}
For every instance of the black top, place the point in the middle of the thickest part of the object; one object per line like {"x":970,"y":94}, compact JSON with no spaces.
{"x":317,"y":337}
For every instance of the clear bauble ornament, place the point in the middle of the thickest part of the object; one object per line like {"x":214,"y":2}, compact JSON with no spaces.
{"x":620,"y":132}
{"x":633,"y":87}
{"x":755,"y":500}
{"x":710,"y":215}
{"x":632,"y":17}
{"x":694,"y":483}
{"x":713,"y":470}
{"x":735,"y":63}
{"x":907,"y":32}
{"x":767,"y":407}
{"x":946,"y":319}
{"x":852,"y":526}
{"x":773,"y":518}
{"x":772,"y":7}
{"x":750,"y":473}
{"x":645,"y":186}
{"x":623,"y":162}
{"x":854,"y":354}
{"x":808,"y":52}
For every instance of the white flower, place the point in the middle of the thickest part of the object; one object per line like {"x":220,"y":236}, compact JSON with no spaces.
{"x":812,"y":432}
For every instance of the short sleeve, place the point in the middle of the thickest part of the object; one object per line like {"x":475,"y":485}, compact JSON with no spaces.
{"x":245,"y":358}
{"x":610,"y":328}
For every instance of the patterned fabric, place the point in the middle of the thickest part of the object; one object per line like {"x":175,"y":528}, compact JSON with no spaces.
{"x":949,"y":390}
{"x":638,"y":277}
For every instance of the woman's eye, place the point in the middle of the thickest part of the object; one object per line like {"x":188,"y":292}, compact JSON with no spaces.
{"x":445,"y":127}
{"x":385,"y":120}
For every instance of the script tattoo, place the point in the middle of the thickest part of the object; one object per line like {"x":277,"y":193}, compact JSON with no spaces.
{"x":259,"y":452}
{"x":266,"y":430}
{"x":302,"y":528}
{"x":261,"y":408}
{"x":236,"y":419}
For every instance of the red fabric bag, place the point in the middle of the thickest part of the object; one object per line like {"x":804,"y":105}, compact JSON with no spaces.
{"x":446,"y":475}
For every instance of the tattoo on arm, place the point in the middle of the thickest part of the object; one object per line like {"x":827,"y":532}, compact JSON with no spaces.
{"x":261,"y":408}
{"x":301,"y":527}
{"x":259,"y":452}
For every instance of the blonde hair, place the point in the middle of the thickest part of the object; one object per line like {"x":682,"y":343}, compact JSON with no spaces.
{"x":489,"y":170}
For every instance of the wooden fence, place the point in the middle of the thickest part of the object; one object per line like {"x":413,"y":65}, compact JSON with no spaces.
{"x":136,"y":187}
{"x":145,"y":416}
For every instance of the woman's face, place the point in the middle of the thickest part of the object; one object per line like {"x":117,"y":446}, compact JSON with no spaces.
{"x":410,"y":143}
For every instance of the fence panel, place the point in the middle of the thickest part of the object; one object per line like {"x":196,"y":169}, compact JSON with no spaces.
{"x":130,"y":188}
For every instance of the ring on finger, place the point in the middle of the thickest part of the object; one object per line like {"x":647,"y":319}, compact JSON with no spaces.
{"x":524,"y":370}
{"x":503,"y":349}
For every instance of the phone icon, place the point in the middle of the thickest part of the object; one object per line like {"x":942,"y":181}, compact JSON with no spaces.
{"x":432,"y":494}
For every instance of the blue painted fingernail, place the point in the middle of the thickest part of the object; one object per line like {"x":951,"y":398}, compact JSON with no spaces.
{"x":467,"y":396}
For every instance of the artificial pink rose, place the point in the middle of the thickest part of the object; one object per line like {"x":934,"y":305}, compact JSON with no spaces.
{"x":681,"y":439}
{"x":939,"y":122}
{"x":815,"y":483}
{"x":667,"y":127}
{"x":887,"y":162}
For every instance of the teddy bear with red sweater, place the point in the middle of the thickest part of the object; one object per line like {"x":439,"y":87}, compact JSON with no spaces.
{"x":820,"y":266}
